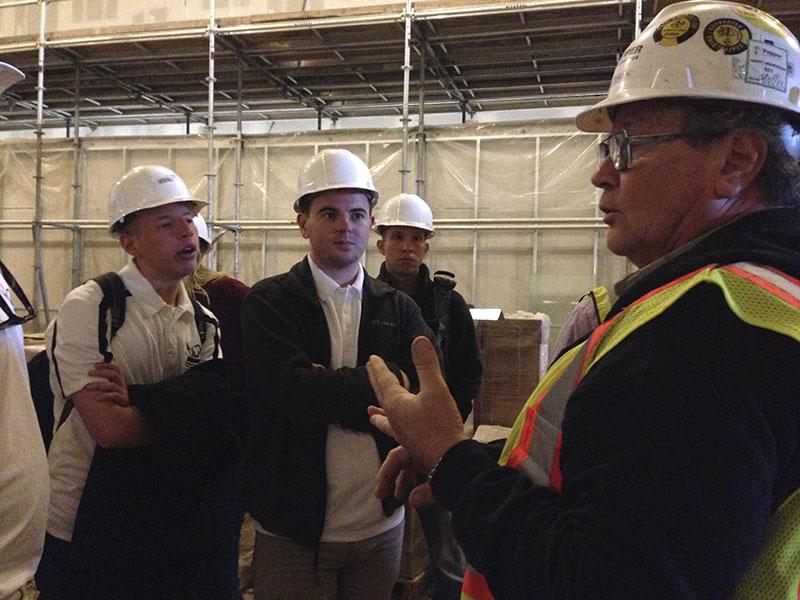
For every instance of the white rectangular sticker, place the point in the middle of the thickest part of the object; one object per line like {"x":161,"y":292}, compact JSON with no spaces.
{"x":767,"y":65}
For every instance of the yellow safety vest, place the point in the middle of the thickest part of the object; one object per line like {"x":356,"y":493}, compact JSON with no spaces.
{"x":760,"y":296}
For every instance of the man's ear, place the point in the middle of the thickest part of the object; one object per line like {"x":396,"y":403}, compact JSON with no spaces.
{"x":744,"y":156}
{"x":302,"y":218}
{"x":128,"y":243}
{"x":381,"y":246}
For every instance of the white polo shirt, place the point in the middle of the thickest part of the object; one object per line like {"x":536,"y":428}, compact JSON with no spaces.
{"x":156,"y":342}
{"x":23,"y":464}
{"x":351,"y":457}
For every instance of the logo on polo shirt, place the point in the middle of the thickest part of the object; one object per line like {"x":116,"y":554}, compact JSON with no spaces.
{"x":193,"y":355}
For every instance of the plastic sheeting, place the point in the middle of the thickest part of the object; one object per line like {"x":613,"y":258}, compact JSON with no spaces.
{"x":481,"y":181}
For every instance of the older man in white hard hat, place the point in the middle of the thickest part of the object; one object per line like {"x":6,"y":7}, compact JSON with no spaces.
{"x":659,"y":457}
{"x":313,"y":455}
{"x":142,"y":466}
{"x":23,"y":465}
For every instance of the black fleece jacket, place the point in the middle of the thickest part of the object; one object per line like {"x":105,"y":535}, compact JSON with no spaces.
{"x":677,"y":447}
{"x":461,"y":357}
{"x":285,"y":333}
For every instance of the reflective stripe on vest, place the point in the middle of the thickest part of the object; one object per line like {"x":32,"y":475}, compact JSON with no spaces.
{"x":760,"y":296}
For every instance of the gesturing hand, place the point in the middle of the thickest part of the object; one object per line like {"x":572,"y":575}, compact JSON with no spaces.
{"x":427,"y":424}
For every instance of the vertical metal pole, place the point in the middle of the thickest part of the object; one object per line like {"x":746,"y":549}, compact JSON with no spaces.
{"x":211,"y":175}
{"x":237,"y":186}
{"x":77,"y":204}
{"x":536,"y":187}
{"x":476,"y":203}
{"x":421,"y":137}
{"x":637,"y":27}
{"x":265,"y":187}
{"x":404,"y":170}
{"x":39,"y":289}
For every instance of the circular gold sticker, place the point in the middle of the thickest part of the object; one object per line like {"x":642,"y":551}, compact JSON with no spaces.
{"x":676,"y":30}
{"x":729,"y":35}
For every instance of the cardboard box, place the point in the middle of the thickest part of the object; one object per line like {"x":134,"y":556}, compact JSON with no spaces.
{"x":514,"y":355}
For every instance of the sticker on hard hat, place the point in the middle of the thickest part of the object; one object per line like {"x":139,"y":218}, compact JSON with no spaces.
{"x":760,"y":19}
{"x":767,"y":65}
{"x":729,"y":35}
{"x":676,"y":30}
{"x":632,"y":53}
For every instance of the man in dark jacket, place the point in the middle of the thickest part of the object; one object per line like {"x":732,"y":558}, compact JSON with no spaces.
{"x":659,"y":457}
{"x":405,"y":225}
{"x":312,"y":453}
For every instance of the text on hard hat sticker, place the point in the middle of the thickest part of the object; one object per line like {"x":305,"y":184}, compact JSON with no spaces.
{"x":767,"y":65}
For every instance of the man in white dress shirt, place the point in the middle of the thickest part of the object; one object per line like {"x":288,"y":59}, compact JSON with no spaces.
{"x":313,"y":455}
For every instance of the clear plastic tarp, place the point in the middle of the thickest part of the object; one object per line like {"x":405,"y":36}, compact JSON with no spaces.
{"x":515,"y":213}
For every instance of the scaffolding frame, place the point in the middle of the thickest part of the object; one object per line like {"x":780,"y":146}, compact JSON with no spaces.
{"x":419,"y":39}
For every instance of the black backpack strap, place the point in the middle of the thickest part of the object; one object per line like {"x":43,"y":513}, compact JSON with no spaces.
{"x":202,"y":321}
{"x":67,"y":402}
{"x":111,"y":310}
{"x":443,"y":284}
{"x":13,"y":319}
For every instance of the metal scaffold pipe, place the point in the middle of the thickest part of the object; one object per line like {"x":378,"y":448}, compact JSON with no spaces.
{"x":421,"y":137}
{"x":237,"y":186}
{"x":39,"y":289}
{"x":77,"y":208}
{"x":211,"y":176}
{"x":404,"y":170}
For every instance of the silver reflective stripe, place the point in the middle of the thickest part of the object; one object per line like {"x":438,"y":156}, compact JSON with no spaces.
{"x":773,"y":277}
{"x":536,"y":473}
{"x":547,"y":425}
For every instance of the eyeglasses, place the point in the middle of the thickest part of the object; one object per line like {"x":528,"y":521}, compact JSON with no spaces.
{"x":618,"y":147}
{"x":13,"y":318}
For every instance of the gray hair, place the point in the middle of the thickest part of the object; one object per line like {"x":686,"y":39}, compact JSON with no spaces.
{"x":779,"y":178}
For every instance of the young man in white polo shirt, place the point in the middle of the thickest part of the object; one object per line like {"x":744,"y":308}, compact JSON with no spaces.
{"x":313,"y":456}
{"x":136,"y":493}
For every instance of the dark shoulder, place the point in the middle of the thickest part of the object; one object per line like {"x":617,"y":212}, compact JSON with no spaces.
{"x":377,"y":287}
{"x":272,"y":284}
{"x":228,"y":285}
{"x":458,"y":301}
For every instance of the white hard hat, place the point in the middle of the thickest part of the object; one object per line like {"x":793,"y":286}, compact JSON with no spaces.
{"x":408,"y":210}
{"x":9,"y":75}
{"x":705,"y":50}
{"x":146,"y":187}
{"x":334,"y":169}
{"x":203,"y":232}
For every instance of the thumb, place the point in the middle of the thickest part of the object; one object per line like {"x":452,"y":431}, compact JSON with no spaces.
{"x":426,"y":362}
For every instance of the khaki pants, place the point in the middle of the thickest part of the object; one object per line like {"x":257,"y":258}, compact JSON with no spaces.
{"x":365,"y":570}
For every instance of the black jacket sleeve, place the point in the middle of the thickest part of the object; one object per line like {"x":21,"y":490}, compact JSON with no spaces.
{"x":282,"y":342}
{"x":192,"y":416}
{"x":677,"y":447}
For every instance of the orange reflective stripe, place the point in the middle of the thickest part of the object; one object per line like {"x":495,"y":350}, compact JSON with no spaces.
{"x":556,"y":479}
{"x":475,"y":587}
{"x":520,"y":451}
